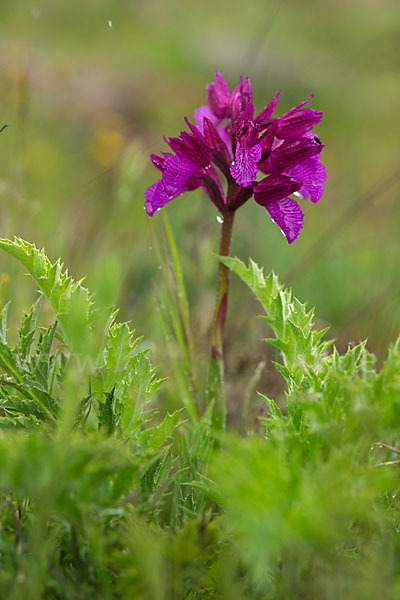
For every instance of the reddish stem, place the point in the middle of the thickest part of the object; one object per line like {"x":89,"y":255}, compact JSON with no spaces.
{"x":215,"y":391}
{"x":221,"y":305}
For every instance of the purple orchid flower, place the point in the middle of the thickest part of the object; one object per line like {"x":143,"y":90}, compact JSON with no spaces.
{"x":270,"y":158}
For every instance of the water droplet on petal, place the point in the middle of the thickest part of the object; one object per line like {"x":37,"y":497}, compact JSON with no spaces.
{"x":220,"y":219}
{"x":110,"y":24}
{"x":233,"y":163}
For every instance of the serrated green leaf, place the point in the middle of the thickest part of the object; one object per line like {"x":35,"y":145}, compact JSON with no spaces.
{"x":27,"y":330}
{"x":291,"y":323}
{"x":89,"y":333}
{"x":272,"y":407}
{"x":70,"y":301}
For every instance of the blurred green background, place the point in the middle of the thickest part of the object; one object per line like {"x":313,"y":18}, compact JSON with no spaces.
{"x":90,"y":88}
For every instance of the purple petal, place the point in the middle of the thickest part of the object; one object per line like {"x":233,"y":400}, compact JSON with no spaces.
{"x":226,"y":137}
{"x":242,"y":100}
{"x":311,"y":174}
{"x":265,"y":166}
{"x":292,"y":110}
{"x":193,"y":182}
{"x":176,"y":172}
{"x":221,"y":155}
{"x":293,"y":152}
{"x":189,"y":146}
{"x":274,"y":188}
{"x":268,"y":111}
{"x":156,"y":197}
{"x":212,"y":186}
{"x":195,"y":131}
{"x":249,"y":133}
{"x":288,"y":216}
{"x":247,"y":93}
{"x":179,"y":174}
{"x":244,"y":169}
{"x":218,"y":96}
{"x":296,"y":124}
{"x":201,"y":113}
{"x":158,"y":161}
{"x":241,"y":196}
{"x":268,"y":136}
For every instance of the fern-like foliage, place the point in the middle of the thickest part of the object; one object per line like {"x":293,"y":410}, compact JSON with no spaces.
{"x":28,"y":374}
{"x":104,"y":356}
{"x":310,"y":371}
{"x":303,"y":352}
{"x":321,"y":488}
{"x":122,"y":380}
{"x":69,"y":300}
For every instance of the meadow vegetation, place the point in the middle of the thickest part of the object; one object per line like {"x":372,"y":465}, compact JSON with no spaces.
{"x":116,"y":479}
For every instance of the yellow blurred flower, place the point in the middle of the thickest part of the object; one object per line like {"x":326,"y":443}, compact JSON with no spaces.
{"x":108,"y":142}
{"x":107,"y":146}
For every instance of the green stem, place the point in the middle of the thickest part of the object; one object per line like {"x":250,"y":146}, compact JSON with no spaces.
{"x":215,"y":387}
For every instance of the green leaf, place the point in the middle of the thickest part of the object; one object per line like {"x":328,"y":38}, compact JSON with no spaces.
{"x":3,"y":324}
{"x":298,"y":342}
{"x":105,"y":350}
{"x":71,"y":303}
{"x":28,"y":329}
{"x":106,"y":413}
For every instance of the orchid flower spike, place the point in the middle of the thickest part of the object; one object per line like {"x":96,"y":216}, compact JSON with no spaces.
{"x":265,"y":157}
